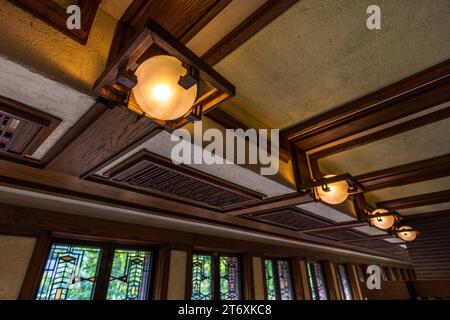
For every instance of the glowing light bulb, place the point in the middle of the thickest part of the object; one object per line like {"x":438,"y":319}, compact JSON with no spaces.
{"x":336,"y":193}
{"x":157,"y":91}
{"x":383,"y":222}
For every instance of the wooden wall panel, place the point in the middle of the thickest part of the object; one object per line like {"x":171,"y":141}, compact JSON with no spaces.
{"x":430,"y":252}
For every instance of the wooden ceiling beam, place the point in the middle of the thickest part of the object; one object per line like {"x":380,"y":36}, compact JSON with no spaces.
{"x":337,"y":226}
{"x":423,"y":170}
{"x":416,"y":201}
{"x":427,"y":215}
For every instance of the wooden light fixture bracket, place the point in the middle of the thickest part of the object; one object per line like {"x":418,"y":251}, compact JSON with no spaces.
{"x":118,"y":79}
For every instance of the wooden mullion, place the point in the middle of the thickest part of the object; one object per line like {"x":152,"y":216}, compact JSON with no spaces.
{"x":104,"y":270}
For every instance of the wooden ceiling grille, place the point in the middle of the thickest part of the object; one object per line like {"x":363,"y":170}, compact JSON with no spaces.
{"x":340,"y":235}
{"x":22,"y":128}
{"x":157,"y":174}
{"x":291,"y":218}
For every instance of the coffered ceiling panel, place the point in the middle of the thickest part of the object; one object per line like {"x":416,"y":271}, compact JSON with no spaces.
{"x":425,"y":209}
{"x":408,"y":190}
{"x":422,"y":143}
{"x":319,"y":55}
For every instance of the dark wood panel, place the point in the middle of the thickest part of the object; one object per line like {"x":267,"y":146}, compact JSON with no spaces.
{"x":390,"y":290}
{"x":430,"y":252}
{"x":428,"y":169}
{"x":56,"y":16}
{"x":415,"y":201}
{"x":114,"y":130}
{"x":247,"y":29}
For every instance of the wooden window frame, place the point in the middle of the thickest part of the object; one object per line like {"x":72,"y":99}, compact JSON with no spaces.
{"x":56,"y":16}
{"x":104,"y":268}
{"x":277,"y":276}
{"x":215,"y":273}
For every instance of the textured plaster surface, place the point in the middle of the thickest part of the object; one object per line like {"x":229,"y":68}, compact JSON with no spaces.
{"x":40,"y":92}
{"x":32,"y":42}
{"x":15,"y":253}
{"x":325,"y":211}
{"x":319,"y":55}
{"x":425,"y":209}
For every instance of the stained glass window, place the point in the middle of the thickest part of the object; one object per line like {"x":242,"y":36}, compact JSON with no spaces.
{"x":229,"y":278}
{"x":70,"y":273}
{"x":278,"y":280}
{"x":316,"y":281}
{"x":270,"y":280}
{"x":130,"y":275}
{"x":361,"y":273}
{"x":202,"y":277}
{"x":344,"y":285}
{"x":385,"y":274}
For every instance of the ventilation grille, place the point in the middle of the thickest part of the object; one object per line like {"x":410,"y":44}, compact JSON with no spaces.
{"x":156,"y":174}
{"x":293,"y":219}
{"x":16,"y":134}
{"x":341,"y":235}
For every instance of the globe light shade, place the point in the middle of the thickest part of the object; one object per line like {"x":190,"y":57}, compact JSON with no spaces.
{"x":157,"y":91}
{"x":337,"y":193}
{"x":383,"y":222}
{"x":406,"y":233}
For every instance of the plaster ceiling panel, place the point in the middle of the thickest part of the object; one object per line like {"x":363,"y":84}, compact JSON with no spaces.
{"x":432,"y":140}
{"x":429,"y":186}
{"x":425,"y":209}
{"x":37,"y":91}
{"x":320,"y":209}
{"x":320,"y":54}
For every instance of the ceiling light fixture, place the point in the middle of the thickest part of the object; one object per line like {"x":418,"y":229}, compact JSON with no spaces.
{"x":333,"y":189}
{"x":165,"y":87}
{"x":407,"y":233}
{"x":382,"y":219}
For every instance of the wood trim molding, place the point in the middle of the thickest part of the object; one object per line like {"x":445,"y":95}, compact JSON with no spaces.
{"x":35,"y":267}
{"x":252,"y":25}
{"x":55,"y":15}
{"x":354,"y":281}
{"x":331,"y":280}
{"x":297,"y":279}
{"x":415,"y":201}
{"x":428,"y":169}
{"x":248,"y":285}
{"x":161,"y":274}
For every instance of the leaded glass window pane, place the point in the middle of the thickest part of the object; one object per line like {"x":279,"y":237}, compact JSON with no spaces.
{"x":316,"y":281}
{"x":270,"y":279}
{"x":70,"y":273}
{"x":229,"y":278}
{"x":130,"y":275}
{"x":361,"y":275}
{"x":202,"y":277}
{"x":284,"y":279}
{"x":344,"y":285}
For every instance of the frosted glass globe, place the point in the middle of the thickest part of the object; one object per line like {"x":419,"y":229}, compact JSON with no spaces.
{"x":157,"y":91}
{"x":406,"y":233}
{"x":384,"y":222}
{"x":338,"y":191}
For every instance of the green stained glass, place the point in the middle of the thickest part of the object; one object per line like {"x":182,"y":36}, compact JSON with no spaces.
{"x":229,"y":278}
{"x":202,"y":277}
{"x":316,"y":281}
{"x":70,"y":273}
{"x":130,"y":275}
{"x":270,"y":280}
